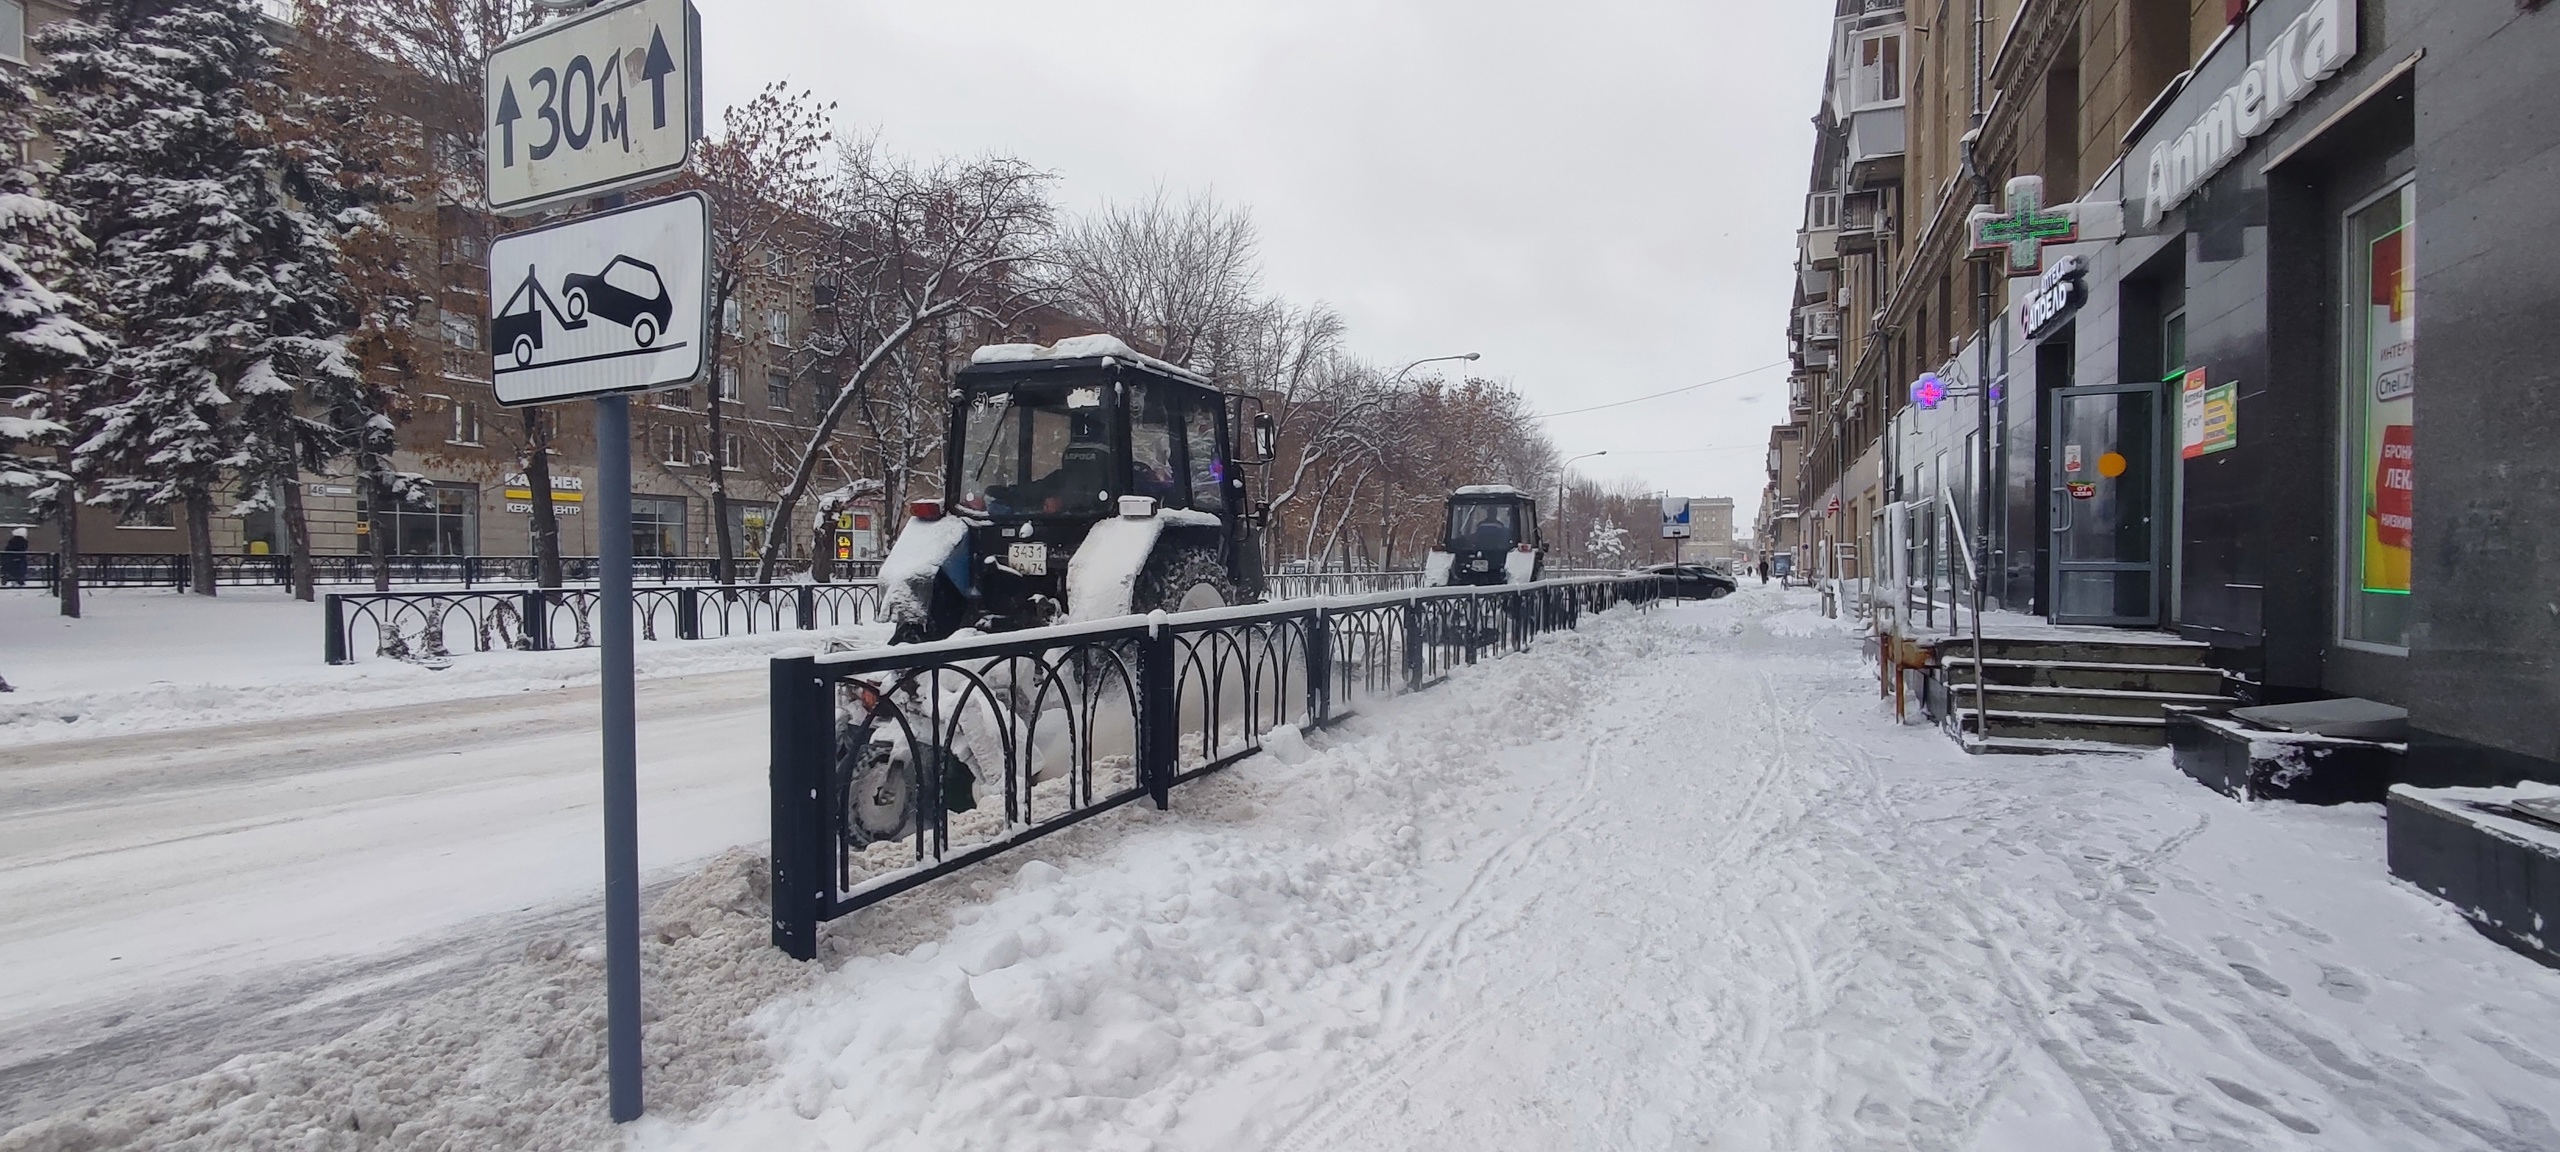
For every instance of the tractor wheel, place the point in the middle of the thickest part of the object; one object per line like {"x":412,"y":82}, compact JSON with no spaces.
{"x":1184,"y":580}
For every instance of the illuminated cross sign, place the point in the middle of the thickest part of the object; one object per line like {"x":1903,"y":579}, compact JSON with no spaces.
{"x":2025,"y":228}
{"x":1928,"y":391}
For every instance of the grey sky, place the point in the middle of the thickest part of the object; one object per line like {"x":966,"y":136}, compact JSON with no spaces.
{"x":1600,"y":196}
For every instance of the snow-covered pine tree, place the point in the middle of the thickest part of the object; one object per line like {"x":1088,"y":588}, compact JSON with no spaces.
{"x":164,"y":154}
{"x":44,"y":342}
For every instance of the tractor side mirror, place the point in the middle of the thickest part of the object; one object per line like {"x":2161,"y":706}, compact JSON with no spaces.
{"x":1266,"y":437}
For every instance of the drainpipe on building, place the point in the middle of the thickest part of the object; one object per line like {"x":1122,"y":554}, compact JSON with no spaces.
{"x":1981,"y":396}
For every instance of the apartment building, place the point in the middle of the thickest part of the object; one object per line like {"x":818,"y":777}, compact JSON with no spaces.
{"x":2170,"y":380}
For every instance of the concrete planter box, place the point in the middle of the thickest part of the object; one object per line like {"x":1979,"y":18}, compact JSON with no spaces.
{"x":2500,"y":870}
{"x":2256,"y":764}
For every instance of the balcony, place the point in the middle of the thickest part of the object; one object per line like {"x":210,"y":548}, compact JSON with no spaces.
{"x":1812,"y":283}
{"x":1876,"y":143}
{"x":1818,"y":249}
{"x":1862,"y":219}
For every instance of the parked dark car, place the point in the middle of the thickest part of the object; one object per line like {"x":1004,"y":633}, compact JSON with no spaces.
{"x":1693,"y":581}
{"x":628,"y":292}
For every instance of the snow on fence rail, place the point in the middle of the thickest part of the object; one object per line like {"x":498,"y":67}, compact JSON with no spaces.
{"x":894,"y":766}
{"x":153,"y":570}
{"x":434,"y":625}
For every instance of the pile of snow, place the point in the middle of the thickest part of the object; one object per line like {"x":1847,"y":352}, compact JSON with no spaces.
{"x":1519,"y":567}
{"x":923,"y":549}
{"x":1436,"y":568}
{"x":1488,"y":490}
{"x":142,"y":659}
{"x":1081,"y":348}
{"x":1102,"y":576}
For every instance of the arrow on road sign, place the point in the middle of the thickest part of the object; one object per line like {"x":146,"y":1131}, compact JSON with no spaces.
{"x":655,"y":70}
{"x":508,"y":114}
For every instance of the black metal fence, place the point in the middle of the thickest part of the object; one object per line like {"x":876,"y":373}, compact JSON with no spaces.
{"x":152,"y":570}
{"x":435,"y":625}
{"x":894,"y":766}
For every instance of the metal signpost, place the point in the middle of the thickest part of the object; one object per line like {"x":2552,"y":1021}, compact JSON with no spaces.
{"x":602,"y":305}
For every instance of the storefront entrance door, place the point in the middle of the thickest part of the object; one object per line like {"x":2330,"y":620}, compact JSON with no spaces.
{"x":2106,"y":505}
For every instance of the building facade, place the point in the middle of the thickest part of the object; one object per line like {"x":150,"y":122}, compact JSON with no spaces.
{"x":2199,"y":360}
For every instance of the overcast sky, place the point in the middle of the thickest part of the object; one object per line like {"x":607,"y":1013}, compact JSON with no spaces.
{"x":1599,"y":196}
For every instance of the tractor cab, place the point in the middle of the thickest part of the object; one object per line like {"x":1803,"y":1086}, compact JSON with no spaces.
{"x":1491,"y":538}
{"x":1083,"y":480}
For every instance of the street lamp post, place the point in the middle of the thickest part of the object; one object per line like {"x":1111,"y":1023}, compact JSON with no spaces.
{"x":1387,"y":482}
{"x":1564,"y":537}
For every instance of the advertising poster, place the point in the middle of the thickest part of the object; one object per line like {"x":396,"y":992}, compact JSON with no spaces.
{"x":2220,"y":428}
{"x":2391,"y":324}
{"x":2191,"y":415}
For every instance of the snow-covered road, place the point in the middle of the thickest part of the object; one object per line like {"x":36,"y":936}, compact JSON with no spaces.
{"x":1673,"y":881}
{"x":171,"y":894}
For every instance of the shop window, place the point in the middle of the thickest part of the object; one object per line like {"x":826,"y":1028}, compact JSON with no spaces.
{"x":657,"y":525}
{"x":2380,"y":472}
{"x":748,"y":520}
{"x":2173,"y":344}
{"x":442,"y":521}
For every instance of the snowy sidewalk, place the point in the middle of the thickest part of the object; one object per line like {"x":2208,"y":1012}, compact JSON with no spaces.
{"x":1674,"y":881}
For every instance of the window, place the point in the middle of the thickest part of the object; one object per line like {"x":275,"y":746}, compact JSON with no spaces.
{"x":462,"y":332}
{"x":777,"y":391}
{"x":827,"y":390}
{"x":144,"y":514}
{"x":675,"y":449}
{"x":2173,"y":344}
{"x":777,"y":326}
{"x":1200,"y":442}
{"x":1877,"y":76}
{"x":777,"y":263}
{"x":2379,"y":480}
{"x":1151,"y":469}
{"x":17,"y":505}
{"x":1037,"y":450}
{"x":748,"y":520}
{"x":733,"y":452}
{"x":732,"y":316}
{"x":13,"y":31}
{"x":466,"y":423}
{"x":657,"y":525}
{"x":444,"y":521}
{"x":728,"y":379}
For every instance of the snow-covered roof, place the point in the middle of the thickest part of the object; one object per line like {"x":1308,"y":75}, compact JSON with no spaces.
{"x":1082,"y":348}
{"x":1489,"y":490}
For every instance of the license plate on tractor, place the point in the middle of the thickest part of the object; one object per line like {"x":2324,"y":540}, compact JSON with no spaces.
{"x":1028,"y":559}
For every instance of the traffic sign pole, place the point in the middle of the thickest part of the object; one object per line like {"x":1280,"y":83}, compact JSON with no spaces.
{"x":621,"y":757}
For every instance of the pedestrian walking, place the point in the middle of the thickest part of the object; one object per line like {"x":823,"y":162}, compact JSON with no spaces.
{"x":13,"y":558}
{"x":1764,"y":569}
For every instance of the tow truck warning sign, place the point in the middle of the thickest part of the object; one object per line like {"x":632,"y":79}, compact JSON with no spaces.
{"x":614,"y":302}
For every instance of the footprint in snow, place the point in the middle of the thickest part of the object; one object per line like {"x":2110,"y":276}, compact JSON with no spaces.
{"x":2344,"y":983}
{"x":2255,"y":1099}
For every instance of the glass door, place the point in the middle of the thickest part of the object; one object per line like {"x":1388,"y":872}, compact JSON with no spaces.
{"x":2106,"y":505}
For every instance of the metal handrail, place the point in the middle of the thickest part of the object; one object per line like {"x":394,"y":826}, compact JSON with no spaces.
{"x":1973,"y":578}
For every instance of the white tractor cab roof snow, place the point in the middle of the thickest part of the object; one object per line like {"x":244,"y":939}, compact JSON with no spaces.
{"x":1082,"y":480}
{"x":1491,"y":537}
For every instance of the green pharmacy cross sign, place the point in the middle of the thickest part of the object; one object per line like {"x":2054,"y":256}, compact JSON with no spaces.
{"x":2025,"y":229}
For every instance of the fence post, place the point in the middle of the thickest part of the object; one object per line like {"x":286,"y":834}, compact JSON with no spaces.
{"x":688,"y":613}
{"x":802,"y":724}
{"x":1475,"y":625}
{"x":1319,"y":668}
{"x":1413,"y":645}
{"x":1157,"y":740}
{"x":333,"y":644}
{"x":470,"y":569}
{"x":537,"y":621}
{"x":178,"y":572}
{"x":808,"y":607}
